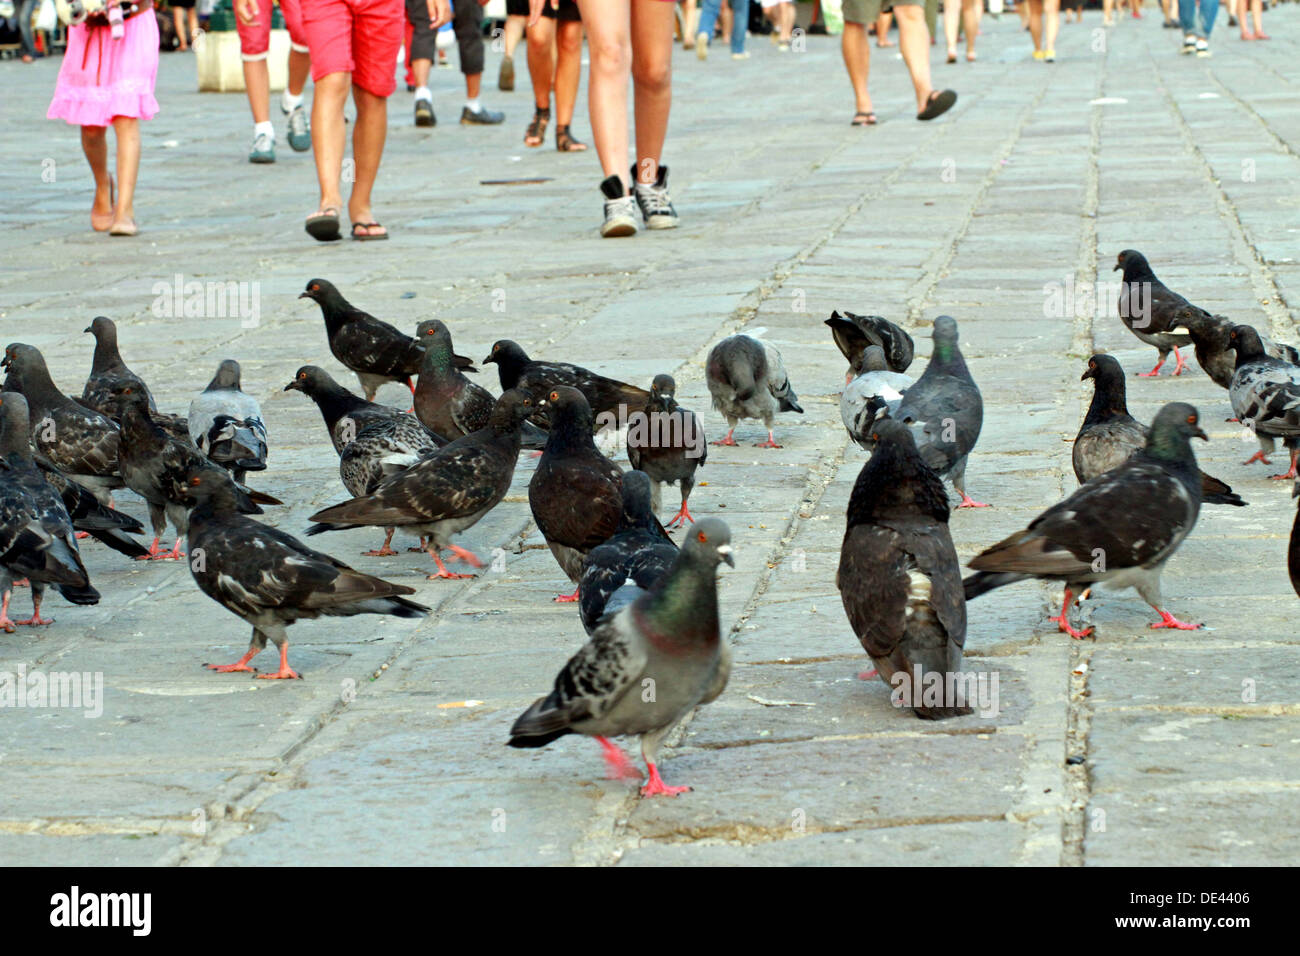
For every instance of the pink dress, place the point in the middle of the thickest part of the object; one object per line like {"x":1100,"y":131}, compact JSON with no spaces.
{"x":102,"y":78}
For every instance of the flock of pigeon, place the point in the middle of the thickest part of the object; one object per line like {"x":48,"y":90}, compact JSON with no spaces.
{"x":649,"y":606}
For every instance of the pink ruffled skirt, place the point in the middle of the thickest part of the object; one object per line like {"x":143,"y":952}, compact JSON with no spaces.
{"x":102,"y":78}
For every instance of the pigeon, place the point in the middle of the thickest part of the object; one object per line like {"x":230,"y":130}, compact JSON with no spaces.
{"x":1109,"y":434}
{"x":575,"y":492}
{"x":1119,"y":528}
{"x":270,"y":578}
{"x":346,"y":415}
{"x":945,"y":410}
{"x":668,"y":444}
{"x":376,"y":351}
{"x":637,"y":555}
{"x":1265,"y":395}
{"x":226,"y":423}
{"x":36,"y":536}
{"x":446,"y":493}
{"x":747,"y":379}
{"x":607,"y":397}
{"x":667,"y":641}
{"x":106,"y":525}
{"x":1214,"y":351}
{"x":899,"y":577}
{"x":854,"y":334}
{"x":81,"y":442}
{"x":1293,"y":546}
{"x":383,"y":449}
{"x":108,"y":371}
{"x":873,"y":395}
{"x":1148,"y":307}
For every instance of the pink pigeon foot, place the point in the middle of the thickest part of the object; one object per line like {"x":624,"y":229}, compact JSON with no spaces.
{"x":770,"y":443}
{"x":239,"y":665}
{"x":1063,"y":620}
{"x":469,"y":557}
{"x":383,"y":550}
{"x":1290,"y":473}
{"x":1168,"y":620}
{"x":869,"y":675}
{"x":618,"y":767}
{"x":1182,"y":362}
{"x":1155,"y":371}
{"x":285,"y":672}
{"x":684,"y":515}
{"x":1258,"y":456}
{"x":656,"y":786}
{"x":968,"y":502}
{"x":725,"y":441}
{"x":566,"y":598}
{"x":442,"y":570}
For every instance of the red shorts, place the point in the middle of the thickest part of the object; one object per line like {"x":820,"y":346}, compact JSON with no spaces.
{"x":255,"y":37}
{"x":360,"y":37}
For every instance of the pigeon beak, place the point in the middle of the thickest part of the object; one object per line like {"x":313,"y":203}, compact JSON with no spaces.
{"x":1201,"y":435}
{"x":292,"y":386}
{"x":1118,"y":266}
{"x":87,"y":329}
{"x":724,"y":550}
{"x":487,"y":361}
{"x":1086,"y":375}
{"x":305,"y":295}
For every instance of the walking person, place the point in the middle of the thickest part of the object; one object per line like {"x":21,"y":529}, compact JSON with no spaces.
{"x":109,"y":81}
{"x":559,"y":29}
{"x":186,"y":18}
{"x":629,"y":40}
{"x":467,"y":21}
{"x":781,"y":13}
{"x":966,"y":14}
{"x":709,"y":12}
{"x":913,"y":43}
{"x":1197,"y":18}
{"x":353,"y":49}
{"x":1044,"y":24}
{"x":1239,"y":9}
{"x":516,"y":17}
{"x":253,"y":21}
{"x":26,"y":36}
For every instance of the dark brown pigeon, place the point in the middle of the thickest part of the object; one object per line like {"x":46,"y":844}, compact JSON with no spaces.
{"x":899,"y":577}
{"x":668,"y":444}
{"x":347,"y":415}
{"x":1211,"y":335}
{"x":1265,"y":395}
{"x":1148,"y":308}
{"x":271,"y":579}
{"x":108,"y":371}
{"x":607,"y":397}
{"x":854,"y":334}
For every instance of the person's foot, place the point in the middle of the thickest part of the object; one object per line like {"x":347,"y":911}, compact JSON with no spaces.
{"x":1203,"y":48}
{"x":1049,"y":56}
{"x":655,"y":203}
{"x":952,"y":56}
{"x":424,"y":113}
{"x":101,"y":210}
{"x":506,"y":76}
{"x":323,"y":224}
{"x":263,"y":150}
{"x":1247,"y":35}
{"x":701,"y":46}
{"x":565,"y":141}
{"x":783,"y":47}
{"x":1232,"y":21}
{"x":937,"y":103}
{"x":1040,"y":55}
{"x":1189,"y":44}
{"x":124,"y":226}
{"x":742,"y":55}
{"x":481,"y":117}
{"x":536,"y":132}
{"x":620,"y":209}
{"x":299,"y":134}
{"x":1261,"y":35}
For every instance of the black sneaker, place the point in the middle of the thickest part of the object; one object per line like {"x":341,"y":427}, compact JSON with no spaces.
{"x":655,"y":203}
{"x":481,"y":117}
{"x":424,"y":113}
{"x":620,"y":209}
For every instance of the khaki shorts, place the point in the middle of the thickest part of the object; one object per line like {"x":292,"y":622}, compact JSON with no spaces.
{"x":867,"y":11}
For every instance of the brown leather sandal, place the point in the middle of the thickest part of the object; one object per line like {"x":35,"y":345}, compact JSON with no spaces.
{"x":535,"y":135}
{"x":565,"y":142}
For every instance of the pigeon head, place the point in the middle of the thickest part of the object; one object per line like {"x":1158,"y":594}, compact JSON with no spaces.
{"x":708,"y":544}
{"x":1246,"y":341}
{"x":320,"y":291}
{"x":15,"y":425}
{"x":945,"y":339}
{"x":569,"y":410}
{"x":27,"y":371}
{"x":311,"y":380}
{"x":1133,"y":264}
{"x":873,"y":359}
{"x":211,"y":485}
{"x":1172,"y":430}
{"x":637,"y":510}
{"x":128,"y":395}
{"x":103,"y":329}
{"x":1103,"y":368}
{"x":434,"y":337}
{"x":512,"y":410}
{"x":896,"y":480}
{"x":511,"y":358}
{"x":227,"y":376}
{"x":663,"y":393}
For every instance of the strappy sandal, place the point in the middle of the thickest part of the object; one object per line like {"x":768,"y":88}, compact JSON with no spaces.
{"x":535,"y":135}
{"x":565,"y":142}
{"x":864,"y":119}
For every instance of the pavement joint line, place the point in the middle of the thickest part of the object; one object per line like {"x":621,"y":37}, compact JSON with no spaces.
{"x":1249,"y":110}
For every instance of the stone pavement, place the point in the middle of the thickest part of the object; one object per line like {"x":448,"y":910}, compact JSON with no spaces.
{"x":1183,"y":747}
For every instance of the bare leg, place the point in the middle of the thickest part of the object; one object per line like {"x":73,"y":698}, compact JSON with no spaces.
{"x":568,"y":70}
{"x":1035,"y":22}
{"x":178,"y":20}
{"x":609,"y":43}
{"x":368,"y":137}
{"x":328,"y":135}
{"x":514,"y":32}
{"x":856,"y":48}
{"x":652,"y":50}
{"x":914,"y":44}
{"x":257,"y":80}
{"x":126,"y":130}
{"x":1052,"y":17}
{"x":94,"y":143}
{"x":882,"y":29}
{"x":541,"y":65}
{"x":299,"y":67}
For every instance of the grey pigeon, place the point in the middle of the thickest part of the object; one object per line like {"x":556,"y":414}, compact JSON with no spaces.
{"x":108,"y":371}
{"x":109,"y":526}
{"x":574,"y":494}
{"x":747,"y":379}
{"x":945,"y":410}
{"x":873,"y":395}
{"x":383,"y":449}
{"x":81,"y":442}
{"x":668,"y":444}
{"x":1293,"y":546}
{"x":647,"y":667}
{"x":1109,"y":434}
{"x":854,"y":334}
{"x":635,"y":557}
{"x":445,"y":493}
{"x":1148,"y":308}
{"x":226,"y":423}
{"x":1119,"y":528}
{"x":900,"y":580}
{"x":271,"y":579}
{"x":345,"y":414}
{"x":1211,"y":336}
{"x":36,"y":536}
{"x":1265,"y":394}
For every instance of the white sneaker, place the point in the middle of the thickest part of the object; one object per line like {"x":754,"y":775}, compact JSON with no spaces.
{"x":701,"y":47}
{"x":620,"y":209}
{"x":1203,"y":48}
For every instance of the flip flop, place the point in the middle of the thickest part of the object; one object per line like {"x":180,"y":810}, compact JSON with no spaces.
{"x":868,"y":119}
{"x":939,"y":103}
{"x":324,"y":225}
{"x":368,"y":236}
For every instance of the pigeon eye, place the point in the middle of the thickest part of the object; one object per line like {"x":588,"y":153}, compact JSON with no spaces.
{"x":1191,"y":419}
{"x":702,"y":537}
{"x":194,"y":482}
{"x":315,"y":287}
{"x":555,"y":396}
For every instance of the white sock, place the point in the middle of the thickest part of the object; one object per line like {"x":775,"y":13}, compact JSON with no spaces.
{"x":289,"y":102}
{"x":473,"y":105}
{"x":268,"y":128}
{"x":423,"y":93}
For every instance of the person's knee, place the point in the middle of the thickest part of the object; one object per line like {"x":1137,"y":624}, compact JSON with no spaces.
{"x":610,"y":56}
{"x":570,"y":40}
{"x":654,"y":75}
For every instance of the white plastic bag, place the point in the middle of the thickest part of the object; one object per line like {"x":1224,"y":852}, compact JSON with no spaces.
{"x":494,"y":10}
{"x":47,"y":18}
{"x":833,"y":16}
